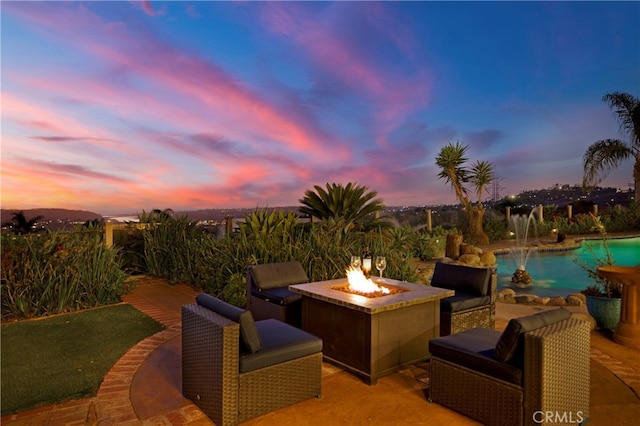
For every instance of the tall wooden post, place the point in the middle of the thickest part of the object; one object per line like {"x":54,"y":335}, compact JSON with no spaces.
{"x":228,"y":225}
{"x":595,"y":210}
{"x":508,"y":214}
{"x":540,"y":211}
{"x":429,"y":223}
{"x":452,"y":248}
{"x":108,"y":234}
{"x":569,"y":211}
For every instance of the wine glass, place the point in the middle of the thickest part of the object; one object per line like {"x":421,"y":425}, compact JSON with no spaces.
{"x":381,"y":263}
{"x":356,"y":262}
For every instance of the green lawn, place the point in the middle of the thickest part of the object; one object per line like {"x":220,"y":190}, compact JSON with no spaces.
{"x":66,"y":357}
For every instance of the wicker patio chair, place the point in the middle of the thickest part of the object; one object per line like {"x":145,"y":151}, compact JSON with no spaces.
{"x":268,"y":294}
{"x":530,"y":374}
{"x":474,"y":304}
{"x":235,"y":369}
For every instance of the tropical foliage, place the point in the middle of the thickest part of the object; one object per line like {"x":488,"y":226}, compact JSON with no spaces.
{"x":218,"y":265}
{"x":93,"y":224}
{"x":351,"y":206}
{"x":262,"y":222}
{"x":20,"y":225}
{"x":155,"y":215}
{"x":451,"y":160}
{"x":164,"y":237}
{"x":60,"y":272}
{"x":605,"y":155}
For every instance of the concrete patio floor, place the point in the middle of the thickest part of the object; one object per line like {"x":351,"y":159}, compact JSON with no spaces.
{"x":143,"y":387}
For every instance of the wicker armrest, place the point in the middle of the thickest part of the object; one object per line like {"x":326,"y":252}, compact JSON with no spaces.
{"x":557,"y":369}
{"x":210,"y":362}
{"x":288,"y":371}
{"x":493,"y":292}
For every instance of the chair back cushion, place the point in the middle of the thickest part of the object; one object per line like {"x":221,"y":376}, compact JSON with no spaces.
{"x":510,"y":347}
{"x":249,"y":336}
{"x":467,"y":279}
{"x":276,"y":275}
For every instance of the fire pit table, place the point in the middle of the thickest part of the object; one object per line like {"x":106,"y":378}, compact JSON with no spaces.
{"x":372,"y":336}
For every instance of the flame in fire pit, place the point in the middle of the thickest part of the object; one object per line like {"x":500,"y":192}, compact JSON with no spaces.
{"x":360,"y":284}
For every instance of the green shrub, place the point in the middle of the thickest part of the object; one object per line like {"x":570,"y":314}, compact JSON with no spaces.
{"x":58,"y":272}
{"x":497,"y":230}
{"x":622,"y":219}
{"x":403,"y":238}
{"x":235,"y":292}
{"x":130,"y":243}
{"x":218,"y":265}
{"x":263,"y":222}
{"x":167,"y":248}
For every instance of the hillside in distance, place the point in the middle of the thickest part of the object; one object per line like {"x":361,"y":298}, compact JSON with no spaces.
{"x":50,"y":215}
{"x":558,"y":195}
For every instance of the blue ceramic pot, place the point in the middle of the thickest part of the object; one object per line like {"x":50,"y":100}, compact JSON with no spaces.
{"x":605,"y":310}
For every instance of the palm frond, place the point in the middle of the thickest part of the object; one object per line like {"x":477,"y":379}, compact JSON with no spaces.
{"x":602,"y":157}
{"x":482,"y":175}
{"x":627,"y":109}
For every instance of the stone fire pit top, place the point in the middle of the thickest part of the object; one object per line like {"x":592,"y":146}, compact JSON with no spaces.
{"x":419,"y":293}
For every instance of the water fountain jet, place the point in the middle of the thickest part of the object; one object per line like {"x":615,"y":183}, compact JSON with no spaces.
{"x":522,"y":251}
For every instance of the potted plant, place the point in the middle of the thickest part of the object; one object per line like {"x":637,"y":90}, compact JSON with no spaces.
{"x":603,"y":296}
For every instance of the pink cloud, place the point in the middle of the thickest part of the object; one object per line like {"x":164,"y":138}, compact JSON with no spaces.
{"x":147,"y":6}
{"x":185,"y":76}
{"x":395,"y":93}
{"x":51,"y":169}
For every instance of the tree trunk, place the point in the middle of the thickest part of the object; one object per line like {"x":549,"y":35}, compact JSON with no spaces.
{"x":636,"y":178}
{"x":452,"y":250}
{"x":476,"y":233}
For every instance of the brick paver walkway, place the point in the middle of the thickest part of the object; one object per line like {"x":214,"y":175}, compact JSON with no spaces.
{"x":113,"y":402}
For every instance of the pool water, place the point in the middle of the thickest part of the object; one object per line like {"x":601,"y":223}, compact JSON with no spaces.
{"x":556,"y":273}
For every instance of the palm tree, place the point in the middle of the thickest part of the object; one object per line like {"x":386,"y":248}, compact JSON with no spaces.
{"x":21,"y":225}
{"x":155,"y":215}
{"x":93,"y":224}
{"x":451,"y":160}
{"x":605,"y":155}
{"x":351,"y":204}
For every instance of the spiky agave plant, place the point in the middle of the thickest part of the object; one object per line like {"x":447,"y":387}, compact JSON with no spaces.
{"x":262,"y":222}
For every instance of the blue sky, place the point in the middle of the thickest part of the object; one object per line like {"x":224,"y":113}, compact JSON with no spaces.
{"x":120,"y":106}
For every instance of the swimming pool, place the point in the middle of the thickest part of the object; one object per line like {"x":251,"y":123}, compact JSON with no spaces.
{"x":556,"y":274}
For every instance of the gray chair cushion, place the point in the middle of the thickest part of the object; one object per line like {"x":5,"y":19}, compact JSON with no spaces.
{"x":463,"y":301}
{"x":249,"y":336}
{"x":510,"y":347}
{"x":281,"y":274}
{"x":474,"y":349}
{"x":279,"y":296}
{"x":470,"y":280}
{"x":281,"y":342}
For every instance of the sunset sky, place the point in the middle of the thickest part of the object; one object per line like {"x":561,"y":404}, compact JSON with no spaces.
{"x":119,"y":106}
